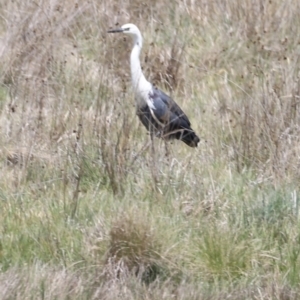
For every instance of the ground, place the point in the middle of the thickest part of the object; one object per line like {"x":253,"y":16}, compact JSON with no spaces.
{"x":90,"y":211}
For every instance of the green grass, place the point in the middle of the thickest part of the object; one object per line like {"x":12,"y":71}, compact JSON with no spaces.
{"x":89,"y":210}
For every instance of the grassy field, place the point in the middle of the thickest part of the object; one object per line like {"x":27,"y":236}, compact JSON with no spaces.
{"x":88,"y":211}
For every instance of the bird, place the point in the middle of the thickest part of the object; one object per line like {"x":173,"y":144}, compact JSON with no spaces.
{"x":157,"y":111}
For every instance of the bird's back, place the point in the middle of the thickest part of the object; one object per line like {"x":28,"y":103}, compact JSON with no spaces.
{"x":166,"y":119}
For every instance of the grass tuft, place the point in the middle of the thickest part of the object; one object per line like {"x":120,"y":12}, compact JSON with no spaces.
{"x":134,"y":248}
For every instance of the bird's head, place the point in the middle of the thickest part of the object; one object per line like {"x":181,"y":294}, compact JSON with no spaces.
{"x":129,"y":29}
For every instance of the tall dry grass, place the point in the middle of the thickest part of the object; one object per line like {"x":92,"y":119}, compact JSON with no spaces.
{"x":89,"y":210}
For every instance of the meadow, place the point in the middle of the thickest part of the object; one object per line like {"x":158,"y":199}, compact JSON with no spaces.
{"x":89,"y":211}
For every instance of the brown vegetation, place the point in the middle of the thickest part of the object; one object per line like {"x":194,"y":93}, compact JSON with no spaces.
{"x":89,"y":211}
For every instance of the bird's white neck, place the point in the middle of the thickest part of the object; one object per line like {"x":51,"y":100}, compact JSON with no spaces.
{"x":139,"y":82}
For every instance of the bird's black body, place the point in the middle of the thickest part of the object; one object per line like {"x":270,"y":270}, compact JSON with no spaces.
{"x":167,"y":120}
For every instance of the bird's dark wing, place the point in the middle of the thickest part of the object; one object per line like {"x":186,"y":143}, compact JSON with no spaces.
{"x":166,"y":119}
{"x":167,"y":110}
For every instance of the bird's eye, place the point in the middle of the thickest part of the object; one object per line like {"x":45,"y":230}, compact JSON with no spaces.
{"x":126,"y":29}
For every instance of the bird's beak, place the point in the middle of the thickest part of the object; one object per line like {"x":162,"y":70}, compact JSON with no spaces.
{"x":115,"y":30}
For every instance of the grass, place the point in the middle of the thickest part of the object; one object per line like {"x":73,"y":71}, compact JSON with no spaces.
{"x":88,"y":211}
